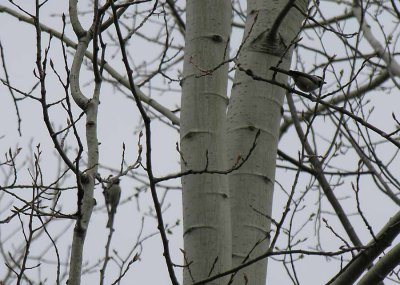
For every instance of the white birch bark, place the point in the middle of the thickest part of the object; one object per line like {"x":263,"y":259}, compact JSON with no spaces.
{"x":205,"y":197}
{"x":87,"y":180}
{"x":81,"y":226}
{"x":256,"y":105}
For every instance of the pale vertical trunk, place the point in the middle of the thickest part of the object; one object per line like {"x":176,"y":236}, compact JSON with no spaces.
{"x":207,"y":231}
{"x":256,"y":105}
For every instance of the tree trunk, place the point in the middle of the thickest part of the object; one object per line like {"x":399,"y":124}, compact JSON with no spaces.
{"x":207,"y":231}
{"x":256,"y":105}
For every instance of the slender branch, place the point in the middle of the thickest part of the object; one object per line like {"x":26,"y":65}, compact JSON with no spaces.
{"x":149,"y":168}
{"x":275,"y":253}
{"x":7,"y":80}
{"x":175,"y":13}
{"x":239,"y":163}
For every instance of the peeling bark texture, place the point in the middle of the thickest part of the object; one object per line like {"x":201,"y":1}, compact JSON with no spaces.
{"x":207,"y":231}
{"x":256,"y":105}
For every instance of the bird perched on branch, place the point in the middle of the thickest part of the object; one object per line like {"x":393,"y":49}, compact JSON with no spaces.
{"x":305,"y":82}
{"x":112,"y":194}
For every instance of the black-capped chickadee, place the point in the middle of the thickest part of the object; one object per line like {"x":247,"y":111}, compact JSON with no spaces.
{"x":112,"y":194}
{"x":305,"y":82}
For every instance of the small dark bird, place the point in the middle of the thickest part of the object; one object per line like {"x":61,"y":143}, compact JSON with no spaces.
{"x":305,"y":82}
{"x":112,"y":194}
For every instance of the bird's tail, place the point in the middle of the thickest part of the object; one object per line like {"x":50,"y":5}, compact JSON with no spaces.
{"x":110,"y":221}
